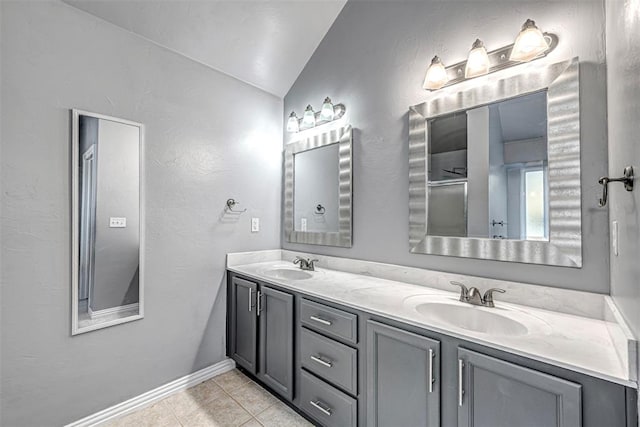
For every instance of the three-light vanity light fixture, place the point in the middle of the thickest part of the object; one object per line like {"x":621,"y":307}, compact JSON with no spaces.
{"x":530,"y":44}
{"x":328,"y":113}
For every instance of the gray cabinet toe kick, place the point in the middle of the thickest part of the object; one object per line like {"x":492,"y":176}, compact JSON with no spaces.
{"x":340,"y":366}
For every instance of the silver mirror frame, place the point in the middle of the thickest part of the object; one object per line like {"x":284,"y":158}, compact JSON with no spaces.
{"x":75,"y":221}
{"x":564,"y":247}
{"x":342,"y":136}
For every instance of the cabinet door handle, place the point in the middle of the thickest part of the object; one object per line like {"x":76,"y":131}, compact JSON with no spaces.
{"x":460,"y":372}
{"x":322,"y":362}
{"x":319,"y":407}
{"x":320,"y":320}
{"x":258,"y":303}
{"x":250,"y":294}
{"x":431,"y":379}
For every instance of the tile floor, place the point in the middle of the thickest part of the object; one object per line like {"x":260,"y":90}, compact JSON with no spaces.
{"x":230,"y":399}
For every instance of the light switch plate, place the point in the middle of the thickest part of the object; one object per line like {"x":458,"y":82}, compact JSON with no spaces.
{"x":303,"y":224}
{"x":255,"y":225}
{"x":117,"y":222}
{"x":614,"y":237}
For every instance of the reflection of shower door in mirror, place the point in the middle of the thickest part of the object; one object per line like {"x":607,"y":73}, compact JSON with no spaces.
{"x":87,"y":225}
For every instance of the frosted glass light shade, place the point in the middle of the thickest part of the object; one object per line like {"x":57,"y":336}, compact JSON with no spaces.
{"x":309,"y":117}
{"x":292,"y":123}
{"x":326,"y":113}
{"x":478,"y":61}
{"x":529,"y":44}
{"x":436,"y":75}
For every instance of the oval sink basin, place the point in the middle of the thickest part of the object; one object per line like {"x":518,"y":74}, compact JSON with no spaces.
{"x":287,"y":274}
{"x":472,"y":318}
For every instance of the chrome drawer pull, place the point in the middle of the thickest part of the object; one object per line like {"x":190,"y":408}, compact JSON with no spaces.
{"x":318,"y":406}
{"x":320,"y":320}
{"x":321,"y":362}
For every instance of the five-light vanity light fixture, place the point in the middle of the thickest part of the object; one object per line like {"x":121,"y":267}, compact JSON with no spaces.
{"x":530,"y":44}
{"x":328,"y":113}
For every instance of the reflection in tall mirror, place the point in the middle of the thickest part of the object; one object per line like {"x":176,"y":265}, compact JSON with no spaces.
{"x":487,"y":171}
{"x":106,"y":221}
{"x":316,"y":189}
{"x":317,"y":196}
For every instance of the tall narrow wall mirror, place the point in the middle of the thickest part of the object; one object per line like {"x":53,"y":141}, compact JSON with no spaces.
{"x":495,"y":169}
{"x":107,"y":285}
{"x":318,"y":189}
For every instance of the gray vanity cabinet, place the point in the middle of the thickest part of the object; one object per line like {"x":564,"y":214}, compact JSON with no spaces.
{"x":242,"y":317}
{"x":403,"y":387}
{"x":276,"y":340}
{"x":495,"y":393}
{"x":260,"y":332}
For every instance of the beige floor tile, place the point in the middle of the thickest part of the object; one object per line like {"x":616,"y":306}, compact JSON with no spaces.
{"x":252,"y":423}
{"x":280,"y":415}
{"x":157,"y":415}
{"x":230,"y":380}
{"x":190,"y":400}
{"x":252,"y":397}
{"x":220,"y":412}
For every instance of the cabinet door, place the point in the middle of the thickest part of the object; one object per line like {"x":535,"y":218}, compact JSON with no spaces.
{"x":243,"y":323}
{"x":495,"y":393}
{"x":276,"y":340}
{"x":403,"y":386}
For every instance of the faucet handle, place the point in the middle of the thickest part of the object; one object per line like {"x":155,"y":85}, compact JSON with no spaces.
{"x":464,"y":292}
{"x":487,"y":299}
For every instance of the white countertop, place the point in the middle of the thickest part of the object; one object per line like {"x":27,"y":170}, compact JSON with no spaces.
{"x":574,"y":342}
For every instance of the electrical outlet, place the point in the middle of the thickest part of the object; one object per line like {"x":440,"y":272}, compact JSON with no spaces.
{"x":303,"y":224}
{"x":614,"y":237}
{"x":117,"y":222}
{"x":255,"y":225}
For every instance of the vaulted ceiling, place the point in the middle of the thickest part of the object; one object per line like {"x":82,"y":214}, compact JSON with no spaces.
{"x":265,"y":43}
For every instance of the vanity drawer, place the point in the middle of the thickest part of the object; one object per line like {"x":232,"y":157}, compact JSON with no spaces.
{"x":329,"y":320}
{"x":328,"y":405}
{"x":335,"y":362}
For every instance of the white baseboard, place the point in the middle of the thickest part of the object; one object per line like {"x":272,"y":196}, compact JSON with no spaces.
{"x":155,"y":395}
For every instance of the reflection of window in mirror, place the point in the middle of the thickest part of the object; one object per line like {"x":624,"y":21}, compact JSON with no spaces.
{"x":316,"y":189}
{"x":487,"y":171}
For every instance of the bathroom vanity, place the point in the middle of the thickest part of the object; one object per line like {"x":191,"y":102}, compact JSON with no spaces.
{"x":352,"y":350}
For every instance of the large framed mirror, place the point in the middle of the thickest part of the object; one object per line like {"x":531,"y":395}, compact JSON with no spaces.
{"x":494,"y":169}
{"x":107,"y":237}
{"x":318,"y":189}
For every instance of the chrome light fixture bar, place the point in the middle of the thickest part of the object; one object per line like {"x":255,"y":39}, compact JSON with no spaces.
{"x":310,"y":119}
{"x":528,"y":46}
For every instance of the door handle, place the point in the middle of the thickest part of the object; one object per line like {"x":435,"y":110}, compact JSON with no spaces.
{"x":250,"y":294}
{"x":259,"y":303}
{"x":431,"y":379}
{"x":460,"y":372}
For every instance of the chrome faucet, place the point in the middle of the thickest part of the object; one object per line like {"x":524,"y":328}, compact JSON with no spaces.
{"x":305,"y":263}
{"x":473,"y":295}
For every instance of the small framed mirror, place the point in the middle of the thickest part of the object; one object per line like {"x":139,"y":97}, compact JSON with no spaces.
{"x":107,"y":237}
{"x":318,"y":189}
{"x":494,"y":170}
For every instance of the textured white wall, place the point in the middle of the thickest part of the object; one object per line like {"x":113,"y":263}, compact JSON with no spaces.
{"x":374,"y":58}
{"x":623,"y":84}
{"x":208,"y":137}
